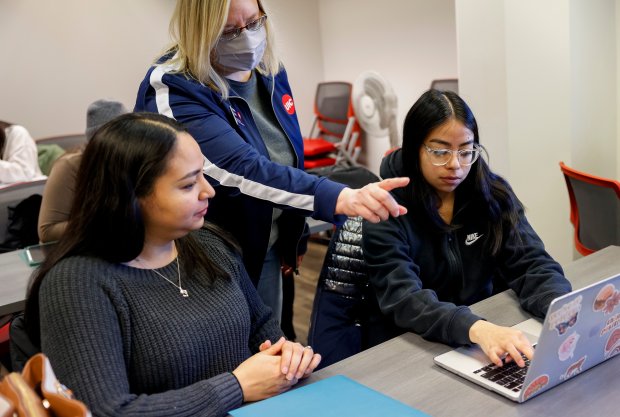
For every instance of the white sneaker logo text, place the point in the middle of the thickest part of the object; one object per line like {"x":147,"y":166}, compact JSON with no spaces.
{"x":471,"y":238}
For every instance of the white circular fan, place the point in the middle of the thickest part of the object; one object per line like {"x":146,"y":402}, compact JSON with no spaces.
{"x":375,"y":106}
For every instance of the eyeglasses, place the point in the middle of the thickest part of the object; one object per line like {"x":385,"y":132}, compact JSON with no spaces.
{"x":466,"y":157}
{"x":253,"y":26}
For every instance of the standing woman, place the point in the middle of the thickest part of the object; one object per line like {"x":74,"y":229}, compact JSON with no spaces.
{"x":222,"y":79}
{"x":18,"y":152}
{"x":141,"y":309}
{"x":465,"y":237}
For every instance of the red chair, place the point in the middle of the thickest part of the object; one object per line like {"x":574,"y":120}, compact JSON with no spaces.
{"x":594,"y":209}
{"x":335,"y":134}
{"x":4,"y":338}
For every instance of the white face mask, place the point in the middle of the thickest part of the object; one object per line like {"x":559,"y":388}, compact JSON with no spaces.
{"x":242,"y":53}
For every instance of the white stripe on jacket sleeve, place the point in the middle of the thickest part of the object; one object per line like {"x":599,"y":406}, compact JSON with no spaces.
{"x":246,"y":186}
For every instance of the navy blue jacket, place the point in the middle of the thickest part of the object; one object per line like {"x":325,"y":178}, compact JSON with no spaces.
{"x":424,"y":279}
{"x":248,"y":185}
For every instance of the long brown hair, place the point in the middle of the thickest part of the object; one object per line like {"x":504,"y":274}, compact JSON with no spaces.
{"x":120,"y":165}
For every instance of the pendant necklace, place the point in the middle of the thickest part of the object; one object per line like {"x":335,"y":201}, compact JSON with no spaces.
{"x":182,"y":290}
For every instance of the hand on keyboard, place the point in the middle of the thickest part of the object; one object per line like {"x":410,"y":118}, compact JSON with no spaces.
{"x":498,"y":342}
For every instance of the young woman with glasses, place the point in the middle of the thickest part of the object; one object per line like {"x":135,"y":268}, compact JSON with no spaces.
{"x":464,"y":238}
{"x":224,"y":82}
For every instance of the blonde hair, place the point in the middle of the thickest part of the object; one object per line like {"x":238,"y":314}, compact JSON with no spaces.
{"x":195,"y":27}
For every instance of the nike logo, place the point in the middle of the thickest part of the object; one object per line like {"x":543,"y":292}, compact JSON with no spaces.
{"x":471,"y":238}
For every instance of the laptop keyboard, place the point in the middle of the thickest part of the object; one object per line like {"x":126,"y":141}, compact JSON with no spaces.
{"x":509,"y":375}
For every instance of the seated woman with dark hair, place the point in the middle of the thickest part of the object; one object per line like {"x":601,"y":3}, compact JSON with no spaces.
{"x":464,"y":238}
{"x":143,"y":309}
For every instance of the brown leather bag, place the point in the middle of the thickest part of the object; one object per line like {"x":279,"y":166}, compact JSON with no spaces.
{"x":37,"y":393}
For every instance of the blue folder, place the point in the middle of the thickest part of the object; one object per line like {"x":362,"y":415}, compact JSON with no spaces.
{"x":334,"y":396}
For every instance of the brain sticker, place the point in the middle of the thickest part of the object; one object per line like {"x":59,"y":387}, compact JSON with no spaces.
{"x":607,"y":299}
{"x":535,"y":386}
{"x":567,"y":348}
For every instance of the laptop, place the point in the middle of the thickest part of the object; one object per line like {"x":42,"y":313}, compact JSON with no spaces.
{"x":581,"y":330}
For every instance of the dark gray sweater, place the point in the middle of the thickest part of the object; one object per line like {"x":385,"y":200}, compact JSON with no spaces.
{"x":127,"y":343}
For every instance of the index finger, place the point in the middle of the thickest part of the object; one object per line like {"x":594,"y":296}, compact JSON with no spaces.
{"x":392,"y":183}
{"x":517,"y":350}
{"x":388,"y":185}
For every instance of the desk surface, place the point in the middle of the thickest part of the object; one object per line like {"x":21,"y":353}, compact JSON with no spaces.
{"x":14,"y":277}
{"x":403,"y":367}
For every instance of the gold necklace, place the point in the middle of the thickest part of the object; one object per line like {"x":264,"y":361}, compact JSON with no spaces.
{"x":182,"y":290}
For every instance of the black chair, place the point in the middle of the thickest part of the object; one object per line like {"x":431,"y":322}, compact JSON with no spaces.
{"x":21,"y":346}
{"x":14,"y":194}
{"x":346,"y":318}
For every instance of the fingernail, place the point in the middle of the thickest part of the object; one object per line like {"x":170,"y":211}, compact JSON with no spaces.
{"x":284,"y":370}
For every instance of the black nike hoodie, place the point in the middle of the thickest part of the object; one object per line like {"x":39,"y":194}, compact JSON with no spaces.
{"x":425,"y":278}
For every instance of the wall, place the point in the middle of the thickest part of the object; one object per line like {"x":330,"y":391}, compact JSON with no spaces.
{"x":68,"y":53}
{"x":593,"y":82}
{"x":299,"y":45}
{"x":408,"y":42}
{"x":60,"y":55}
{"x":617,"y":176}
{"x":543,"y":89}
{"x":483,"y":69}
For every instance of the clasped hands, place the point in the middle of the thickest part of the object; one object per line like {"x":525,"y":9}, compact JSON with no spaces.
{"x":275,"y":368}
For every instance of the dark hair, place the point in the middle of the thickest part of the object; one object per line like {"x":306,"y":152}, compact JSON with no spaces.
{"x":120,"y":165}
{"x":3,"y":125}
{"x":491,"y":194}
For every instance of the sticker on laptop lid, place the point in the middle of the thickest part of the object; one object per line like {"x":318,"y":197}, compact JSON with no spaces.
{"x":611,"y":323}
{"x":574,"y":369}
{"x":566,"y":316}
{"x":607,"y":299}
{"x":535,"y":386}
{"x":567,"y":348}
{"x":612,"y":346}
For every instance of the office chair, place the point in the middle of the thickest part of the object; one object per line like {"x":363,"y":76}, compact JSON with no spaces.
{"x":334,"y":136}
{"x":594,"y":210}
{"x":446,"y":84}
{"x":11,"y":196}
